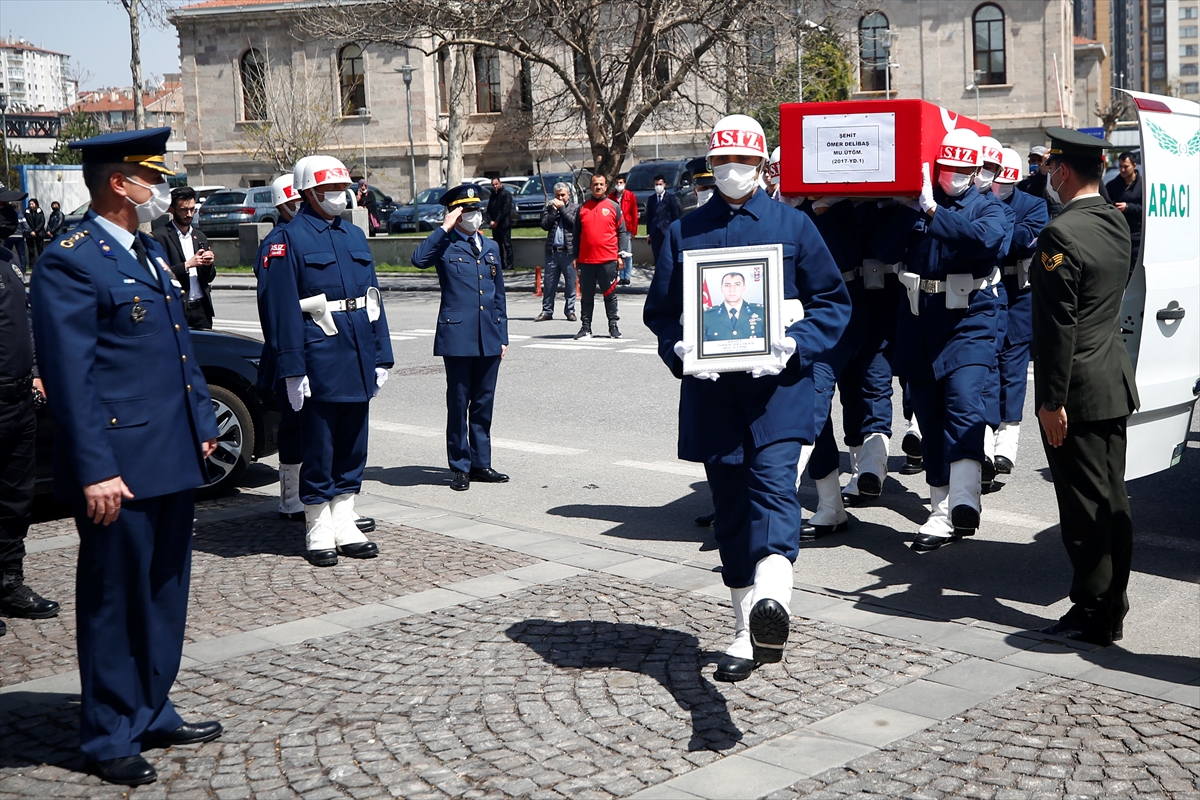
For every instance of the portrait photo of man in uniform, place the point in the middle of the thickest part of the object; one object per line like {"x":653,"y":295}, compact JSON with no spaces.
{"x":737,"y":324}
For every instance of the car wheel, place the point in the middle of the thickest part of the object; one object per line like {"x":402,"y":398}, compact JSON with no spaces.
{"x":235,"y":442}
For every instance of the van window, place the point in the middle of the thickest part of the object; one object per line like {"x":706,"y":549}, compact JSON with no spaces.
{"x":225,"y":199}
{"x":262,"y":198}
{"x":641,"y":177}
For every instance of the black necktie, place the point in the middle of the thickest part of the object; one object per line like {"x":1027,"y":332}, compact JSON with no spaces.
{"x":475,"y":248}
{"x":733,"y":317}
{"x":139,"y":250}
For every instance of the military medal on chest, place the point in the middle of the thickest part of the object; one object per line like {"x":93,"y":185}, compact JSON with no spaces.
{"x":138,"y":313}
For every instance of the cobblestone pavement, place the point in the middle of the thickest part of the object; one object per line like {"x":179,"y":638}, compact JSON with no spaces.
{"x":477,"y":661}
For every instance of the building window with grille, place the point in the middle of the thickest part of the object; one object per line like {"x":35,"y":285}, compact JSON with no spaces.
{"x":1158,"y":70}
{"x":443,"y":82}
{"x":1189,"y":88}
{"x":487,"y":81}
{"x":254,"y":85}
{"x":1188,"y":31}
{"x":1158,"y":14}
{"x":873,"y":36}
{"x":526,"y":77}
{"x":1189,"y":69}
{"x":352,"y":75}
{"x":989,"y":45}
{"x":1187,"y":50}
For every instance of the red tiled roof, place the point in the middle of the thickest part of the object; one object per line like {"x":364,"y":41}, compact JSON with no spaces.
{"x":102,"y":100}
{"x":14,"y":45}
{"x":1085,"y":40}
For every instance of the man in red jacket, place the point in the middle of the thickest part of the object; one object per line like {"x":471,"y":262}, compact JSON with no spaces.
{"x":601,"y":239}
{"x":628,"y":203}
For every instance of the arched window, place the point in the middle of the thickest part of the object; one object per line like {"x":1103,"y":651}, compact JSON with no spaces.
{"x":353,"y":79}
{"x":487,"y":80}
{"x":873,"y":41}
{"x":254,"y":85}
{"x":989,"y":45}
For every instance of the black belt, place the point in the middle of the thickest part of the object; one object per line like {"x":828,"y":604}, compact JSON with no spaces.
{"x":194,"y":303}
{"x":558,"y":249}
{"x":16,"y":390}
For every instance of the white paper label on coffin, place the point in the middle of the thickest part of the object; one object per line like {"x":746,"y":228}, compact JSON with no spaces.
{"x":849,"y":148}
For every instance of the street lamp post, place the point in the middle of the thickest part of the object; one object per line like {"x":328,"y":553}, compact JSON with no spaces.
{"x":4,"y":127}
{"x":407,"y":71}
{"x":808,"y":23}
{"x":365,"y":117}
{"x":887,"y":63}
{"x":978,"y":74}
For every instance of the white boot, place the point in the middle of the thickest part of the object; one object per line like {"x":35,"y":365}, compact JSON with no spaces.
{"x":289,"y":489}
{"x":830,"y":515}
{"x":872,"y":465}
{"x":770,"y":613}
{"x":851,"y":489}
{"x":1007,"y":439}
{"x":318,"y":528}
{"x":937,"y":530}
{"x":738,"y":661}
{"x":351,"y":541}
{"x":806,"y":451}
{"x":965,"y":491}
{"x":989,"y":441}
{"x":914,"y":430}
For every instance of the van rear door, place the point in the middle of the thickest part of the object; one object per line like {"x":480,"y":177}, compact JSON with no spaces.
{"x":1160,"y":316}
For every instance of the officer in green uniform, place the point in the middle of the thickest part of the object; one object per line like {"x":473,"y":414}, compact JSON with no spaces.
{"x":1083,"y":383}
{"x":734,"y":318}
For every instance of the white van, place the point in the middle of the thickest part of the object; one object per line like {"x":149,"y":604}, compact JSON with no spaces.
{"x":1160,"y":316}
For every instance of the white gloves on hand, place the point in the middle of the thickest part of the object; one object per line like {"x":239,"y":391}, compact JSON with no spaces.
{"x":297,"y":390}
{"x":784,"y":347}
{"x":381,"y":377}
{"x":770,"y":369}
{"x":822,"y":203}
{"x":707,"y":376}
{"x":682,"y":349}
{"x":624,"y":254}
{"x":926,"y":199}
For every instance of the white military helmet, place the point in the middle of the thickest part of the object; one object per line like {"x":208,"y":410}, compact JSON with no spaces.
{"x":314,"y":171}
{"x":737,"y":135}
{"x":282,"y":191}
{"x":960,"y":148}
{"x":773,"y":167}
{"x":990,"y":149}
{"x":1010,"y":166}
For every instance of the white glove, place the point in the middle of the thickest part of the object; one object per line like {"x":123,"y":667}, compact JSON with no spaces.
{"x":770,"y":369}
{"x":707,"y":376}
{"x":624,"y":254}
{"x":682,"y":349}
{"x":297,"y":390}
{"x":926,"y":199}
{"x":784,"y":347}
{"x":822,"y":203}
{"x":381,"y":377}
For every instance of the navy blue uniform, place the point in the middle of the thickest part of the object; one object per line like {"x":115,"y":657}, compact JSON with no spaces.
{"x":748,"y":431}
{"x":472,"y":331}
{"x":128,"y":400}
{"x":992,"y":392}
{"x":291,"y":450}
{"x":331,"y":257}
{"x":1032,"y":215}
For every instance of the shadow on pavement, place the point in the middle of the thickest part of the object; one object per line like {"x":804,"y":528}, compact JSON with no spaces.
{"x":258,"y":534}
{"x":674,"y":522}
{"x":45,"y":733}
{"x":671,"y":657}
{"x":408,"y":476}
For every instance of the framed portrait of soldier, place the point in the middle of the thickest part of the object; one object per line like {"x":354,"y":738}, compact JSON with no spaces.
{"x":732,"y":300}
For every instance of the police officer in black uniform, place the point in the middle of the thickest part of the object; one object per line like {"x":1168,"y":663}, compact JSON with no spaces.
{"x":1084,"y":386}
{"x":19,"y":385}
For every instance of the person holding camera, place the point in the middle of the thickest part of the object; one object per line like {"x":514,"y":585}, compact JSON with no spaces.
{"x":191,"y":258}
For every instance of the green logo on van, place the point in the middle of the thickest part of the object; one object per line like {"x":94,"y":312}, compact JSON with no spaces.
{"x":1169,"y":143}
{"x":1170,"y":200}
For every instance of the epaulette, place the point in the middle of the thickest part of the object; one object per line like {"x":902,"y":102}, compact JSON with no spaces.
{"x":70,"y":241}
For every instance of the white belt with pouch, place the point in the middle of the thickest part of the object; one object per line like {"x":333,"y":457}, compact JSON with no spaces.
{"x":321,"y":310}
{"x":874,"y":272}
{"x":1021,"y":270}
{"x":957,"y":287}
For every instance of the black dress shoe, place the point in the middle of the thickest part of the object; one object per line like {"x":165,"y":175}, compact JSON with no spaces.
{"x":910,"y":445}
{"x":706,"y":520}
{"x":459,"y":481}
{"x":187,"y":733}
{"x":295,"y":516}
{"x":365,"y":524}
{"x":1070,"y":629}
{"x":3,"y":628}
{"x":127,"y":770}
{"x":1003,"y":465}
{"x":869,"y":485}
{"x":21,"y":601}
{"x":732,"y":669}
{"x":488,"y":475}
{"x":810,"y":533}
{"x":926,"y":542}
{"x":913,"y":465}
{"x":571,"y":317}
{"x":964,"y":517}
{"x":358,"y":550}
{"x":769,"y":625}
{"x":987,"y":474}
{"x":1118,"y":633}
{"x":322,"y":558}
{"x":543,"y":317}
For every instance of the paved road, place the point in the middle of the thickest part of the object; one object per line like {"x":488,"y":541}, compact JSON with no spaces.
{"x":588,"y":432}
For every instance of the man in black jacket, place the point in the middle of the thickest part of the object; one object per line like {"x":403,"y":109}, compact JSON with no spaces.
{"x":190,"y":256}
{"x":57,"y":223}
{"x":1127,"y":194}
{"x":35,"y":237}
{"x":560,"y":218}
{"x":499,"y":209}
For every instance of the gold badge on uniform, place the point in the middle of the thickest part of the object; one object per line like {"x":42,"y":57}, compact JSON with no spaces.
{"x":138,"y":313}
{"x":493,"y":269}
{"x":1050,"y":262}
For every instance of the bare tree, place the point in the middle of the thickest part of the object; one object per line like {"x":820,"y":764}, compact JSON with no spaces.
{"x":153,"y":13}
{"x":1112,"y":113}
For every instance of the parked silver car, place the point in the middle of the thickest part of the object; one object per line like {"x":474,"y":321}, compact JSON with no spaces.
{"x":222,"y":212}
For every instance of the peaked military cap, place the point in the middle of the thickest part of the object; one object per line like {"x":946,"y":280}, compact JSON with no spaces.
{"x":1069,"y":142}
{"x":144,"y":148}
{"x":702,"y":175}
{"x":465,"y":197}
{"x":10,"y":195}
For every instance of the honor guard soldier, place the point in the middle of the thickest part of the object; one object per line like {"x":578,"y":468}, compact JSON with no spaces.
{"x":948,"y":327}
{"x":1032,"y":216}
{"x":747,"y":428}
{"x":133,"y":426}
{"x":472,"y":333}
{"x":330,"y":338}
{"x":1083,"y":383}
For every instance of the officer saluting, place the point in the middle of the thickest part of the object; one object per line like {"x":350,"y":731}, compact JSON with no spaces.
{"x":133,"y":426}
{"x":1084,"y":388}
{"x":331,"y":340}
{"x":472,"y":333}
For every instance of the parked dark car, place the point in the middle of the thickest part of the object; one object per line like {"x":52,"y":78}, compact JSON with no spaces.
{"x":531,"y":198}
{"x":640,"y":181}
{"x":223,"y":212}
{"x":247,"y":417}
{"x":430,"y":212}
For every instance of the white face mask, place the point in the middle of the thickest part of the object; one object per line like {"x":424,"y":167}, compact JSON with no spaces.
{"x":1051,"y":192}
{"x":703,"y":196}
{"x":983,"y":180}
{"x":954,"y":183}
{"x":660,"y":189}
{"x":155,"y":205}
{"x":333,"y":203}
{"x":736,"y":180}
{"x":1003,"y":190}
{"x":620,"y":188}
{"x":470,"y":221}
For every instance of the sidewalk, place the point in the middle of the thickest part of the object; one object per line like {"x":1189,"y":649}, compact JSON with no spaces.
{"x":521,"y":281}
{"x":474,"y":659}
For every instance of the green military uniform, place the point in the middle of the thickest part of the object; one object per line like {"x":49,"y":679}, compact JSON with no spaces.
{"x":1080,"y":362}
{"x":721,"y":325}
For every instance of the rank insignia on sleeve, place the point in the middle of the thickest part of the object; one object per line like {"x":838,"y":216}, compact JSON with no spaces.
{"x":277,"y":250}
{"x":1050,"y":262}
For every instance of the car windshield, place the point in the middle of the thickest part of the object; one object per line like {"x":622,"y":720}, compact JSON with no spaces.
{"x":83,"y":209}
{"x":225,"y":199}
{"x":430,"y":195}
{"x":641,"y":177}
{"x":534,"y":185}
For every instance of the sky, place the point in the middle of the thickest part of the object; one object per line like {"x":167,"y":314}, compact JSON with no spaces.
{"x":94,"y":33}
